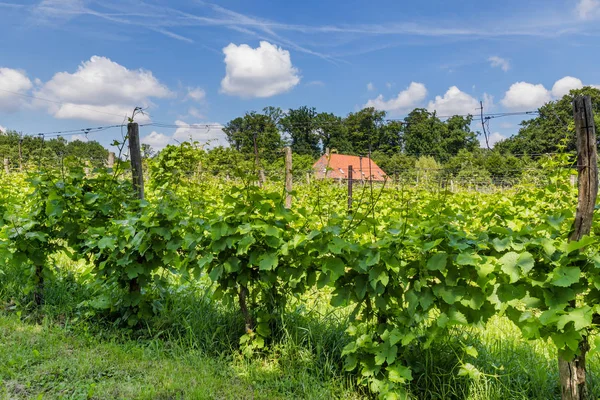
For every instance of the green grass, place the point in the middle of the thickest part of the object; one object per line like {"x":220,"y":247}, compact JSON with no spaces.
{"x":47,"y":361}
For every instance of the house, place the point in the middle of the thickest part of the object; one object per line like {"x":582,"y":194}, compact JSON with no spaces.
{"x":362,"y":167}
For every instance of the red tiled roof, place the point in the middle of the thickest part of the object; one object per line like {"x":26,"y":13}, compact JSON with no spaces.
{"x":338,"y":167}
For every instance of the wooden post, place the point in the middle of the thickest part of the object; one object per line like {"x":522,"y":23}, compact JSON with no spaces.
{"x":288,"y":177}
{"x":572,"y":371}
{"x":6,"y":165}
{"x":349,"y":189}
{"x":133,"y":133}
{"x":308,"y":178}
{"x":20,"y":155}
{"x":261,"y":172}
{"x":111,"y":160}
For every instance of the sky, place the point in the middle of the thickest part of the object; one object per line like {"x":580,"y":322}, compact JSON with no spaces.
{"x":194,"y":65}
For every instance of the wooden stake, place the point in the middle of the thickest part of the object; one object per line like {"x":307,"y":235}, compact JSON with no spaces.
{"x":111,"y":160}
{"x":6,"y":165}
{"x":288,"y":177}
{"x":261,"y":172}
{"x":572,"y":372}
{"x":133,"y":133}
{"x":20,"y":155}
{"x":349,"y":189}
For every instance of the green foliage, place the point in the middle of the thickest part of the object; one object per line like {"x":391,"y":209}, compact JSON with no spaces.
{"x":408,"y":266}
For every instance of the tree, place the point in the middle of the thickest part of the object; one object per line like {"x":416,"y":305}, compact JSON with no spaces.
{"x":457,"y":136}
{"x":552,"y":130}
{"x":302,"y":126}
{"x":242,"y":131}
{"x":363,"y":129}
{"x":91,"y":151}
{"x":423,"y":134}
{"x":333,"y":133}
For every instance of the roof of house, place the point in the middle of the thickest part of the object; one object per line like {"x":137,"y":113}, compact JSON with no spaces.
{"x":362,"y":167}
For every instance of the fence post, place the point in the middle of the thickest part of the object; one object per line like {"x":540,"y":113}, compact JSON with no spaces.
{"x":20,"y":154}
{"x":261,"y":172}
{"x":349,"y":189}
{"x":111,"y":160}
{"x":6,"y":165}
{"x":308,"y":178}
{"x":288,"y":177}
{"x":572,"y":372}
{"x":133,"y":133}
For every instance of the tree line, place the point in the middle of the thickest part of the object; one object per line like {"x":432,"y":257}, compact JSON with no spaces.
{"x":36,"y":149}
{"x":420,"y":141}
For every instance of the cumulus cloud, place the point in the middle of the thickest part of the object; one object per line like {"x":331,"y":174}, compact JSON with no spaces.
{"x":101,"y":91}
{"x":406,"y":100}
{"x":194,"y":112}
{"x":3,"y":129}
{"x":261,"y":72}
{"x":206,"y":132}
{"x":15,"y":84}
{"x":455,"y":102}
{"x":493,"y":138}
{"x":196,"y":94}
{"x":565,"y":85}
{"x":156,"y":140}
{"x":526,"y":96}
{"x":370,"y":87}
{"x":81,"y":138}
{"x":587,"y":9}
{"x":500,"y":62}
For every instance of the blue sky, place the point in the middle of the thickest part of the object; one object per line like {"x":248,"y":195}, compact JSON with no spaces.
{"x":69,"y":64}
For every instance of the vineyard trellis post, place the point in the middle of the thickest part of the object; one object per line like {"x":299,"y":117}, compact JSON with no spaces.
{"x":6,"y":165}
{"x":20,"y":153}
{"x":111,"y":160}
{"x":261,"y":172}
{"x":288,"y":177}
{"x":135,"y":154}
{"x":349,"y":189}
{"x":572,"y":372}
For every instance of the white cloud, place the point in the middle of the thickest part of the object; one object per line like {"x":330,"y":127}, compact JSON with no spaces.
{"x":196,"y":94}
{"x":261,"y":72}
{"x":406,"y":100}
{"x":526,"y":96}
{"x":455,"y":102}
{"x":500,"y":62}
{"x":587,"y":9}
{"x":101,"y":91}
{"x":48,"y":10}
{"x":3,"y":129}
{"x":194,"y":112}
{"x":370,"y":87}
{"x":157,"y":141}
{"x":18,"y":83}
{"x":565,"y":85}
{"x":81,"y":138}
{"x":211,"y":133}
{"x":493,"y":138}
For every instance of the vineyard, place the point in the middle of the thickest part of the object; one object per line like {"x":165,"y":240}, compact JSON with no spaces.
{"x":391,"y":299}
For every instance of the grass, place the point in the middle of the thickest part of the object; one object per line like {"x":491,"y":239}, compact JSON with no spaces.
{"x":190,"y":350}
{"x":47,"y":361}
